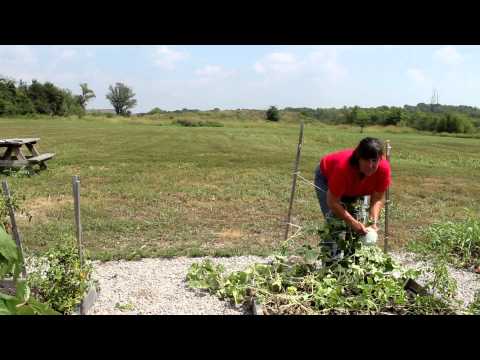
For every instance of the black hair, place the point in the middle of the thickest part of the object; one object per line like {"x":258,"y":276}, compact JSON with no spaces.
{"x":368,"y":148}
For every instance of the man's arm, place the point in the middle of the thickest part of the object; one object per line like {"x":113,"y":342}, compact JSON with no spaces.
{"x":334,"y":204}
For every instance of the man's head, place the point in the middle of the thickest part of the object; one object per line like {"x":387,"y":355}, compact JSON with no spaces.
{"x":367,"y":155}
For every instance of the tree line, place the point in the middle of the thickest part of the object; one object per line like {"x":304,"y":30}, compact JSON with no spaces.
{"x":20,"y":98}
{"x":426,"y":117}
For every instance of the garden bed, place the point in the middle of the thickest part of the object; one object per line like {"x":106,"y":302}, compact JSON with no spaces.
{"x":371,"y":284}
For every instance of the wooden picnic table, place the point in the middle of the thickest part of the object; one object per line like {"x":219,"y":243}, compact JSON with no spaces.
{"x":13,"y":156}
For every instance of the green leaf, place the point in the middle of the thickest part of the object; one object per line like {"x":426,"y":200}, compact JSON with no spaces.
{"x":311,"y":256}
{"x":23,"y":291}
{"x":4,"y":309}
{"x":11,"y":304}
{"x":8,"y":248}
{"x":25,"y":310}
{"x":42,"y":309}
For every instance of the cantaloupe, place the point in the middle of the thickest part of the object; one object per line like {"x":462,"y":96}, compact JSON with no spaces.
{"x":370,"y":238}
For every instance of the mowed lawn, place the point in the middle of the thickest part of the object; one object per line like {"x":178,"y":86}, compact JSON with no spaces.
{"x":150,"y":188}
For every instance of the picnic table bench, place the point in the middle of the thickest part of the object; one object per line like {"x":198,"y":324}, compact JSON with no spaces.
{"x":13,"y":156}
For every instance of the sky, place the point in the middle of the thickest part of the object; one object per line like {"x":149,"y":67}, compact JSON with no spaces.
{"x":257,"y":76}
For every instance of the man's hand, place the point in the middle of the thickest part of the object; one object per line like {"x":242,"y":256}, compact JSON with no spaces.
{"x":359,"y":227}
{"x":374,"y":227}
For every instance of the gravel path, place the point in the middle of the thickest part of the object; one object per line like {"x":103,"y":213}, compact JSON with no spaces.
{"x":157,"y":286}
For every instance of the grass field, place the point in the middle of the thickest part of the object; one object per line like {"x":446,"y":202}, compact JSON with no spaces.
{"x":150,"y":188}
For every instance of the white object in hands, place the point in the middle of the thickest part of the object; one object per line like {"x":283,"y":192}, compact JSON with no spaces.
{"x":370,"y":238}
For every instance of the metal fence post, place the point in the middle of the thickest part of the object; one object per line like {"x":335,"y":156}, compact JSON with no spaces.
{"x":294,"y":182}
{"x":76,"y":200}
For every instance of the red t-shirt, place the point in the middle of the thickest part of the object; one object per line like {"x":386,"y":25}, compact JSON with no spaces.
{"x":344,"y":180}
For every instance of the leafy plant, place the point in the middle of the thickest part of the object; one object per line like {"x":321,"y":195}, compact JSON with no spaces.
{"x":10,"y":259}
{"x":60,"y":279}
{"x":16,"y":202}
{"x":474,"y":307}
{"x":367,"y":282}
{"x":456,"y":242}
{"x":442,"y":283}
{"x":22,"y":303}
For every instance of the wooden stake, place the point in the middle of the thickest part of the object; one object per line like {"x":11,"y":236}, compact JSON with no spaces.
{"x":16,"y":234}
{"x":387,"y":200}
{"x":76,"y":200}
{"x":294,"y":182}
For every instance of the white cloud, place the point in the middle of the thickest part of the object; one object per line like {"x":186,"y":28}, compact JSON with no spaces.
{"x":321,"y":64}
{"x":166,"y":57}
{"x":448,"y":55}
{"x":213,"y":71}
{"x":277,"y":62}
{"x":417,"y":76}
{"x":17,"y":54}
{"x":67,"y":54}
{"x":325,"y":62}
{"x":18,"y":62}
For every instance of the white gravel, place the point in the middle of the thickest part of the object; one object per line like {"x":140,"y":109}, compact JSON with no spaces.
{"x":157,"y":286}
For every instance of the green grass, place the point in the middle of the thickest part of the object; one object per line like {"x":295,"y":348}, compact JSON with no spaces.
{"x":150,"y":188}
{"x":456,"y":242}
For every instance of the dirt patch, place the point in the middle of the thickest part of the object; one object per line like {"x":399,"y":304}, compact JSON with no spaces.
{"x":230,"y":234}
{"x":39,"y":207}
{"x":433,"y":182}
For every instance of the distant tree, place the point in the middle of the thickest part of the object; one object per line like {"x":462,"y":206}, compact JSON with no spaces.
{"x":122,"y":98}
{"x":24,"y":103}
{"x":55,"y":97}
{"x":394,"y":117}
{"x":155,"y":110}
{"x":46,"y":98}
{"x":86,"y":95}
{"x":7,"y":97}
{"x":71,"y":104}
{"x":361,"y":119}
{"x":351,"y":116}
{"x":272,"y":114}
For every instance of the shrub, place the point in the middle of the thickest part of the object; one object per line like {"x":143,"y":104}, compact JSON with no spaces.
{"x":272,"y":114}
{"x":457,"y":242}
{"x":59,"y":279}
{"x":192,"y":123}
{"x":155,"y":110}
{"x":21,"y":301}
{"x":474,"y":307}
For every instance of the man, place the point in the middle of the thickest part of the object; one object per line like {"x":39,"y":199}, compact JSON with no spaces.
{"x":341,"y":179}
